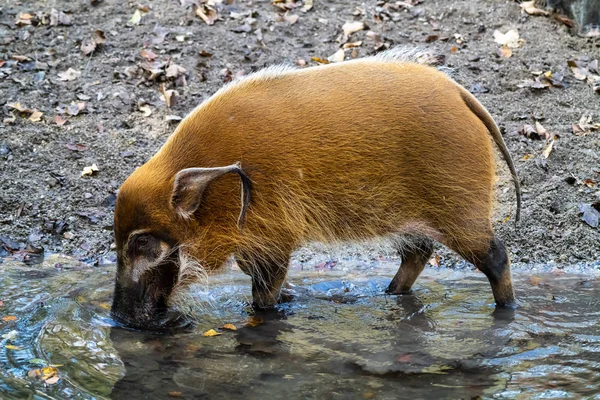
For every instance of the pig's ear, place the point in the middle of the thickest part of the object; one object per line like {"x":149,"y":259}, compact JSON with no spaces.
{"x":190,"y":184}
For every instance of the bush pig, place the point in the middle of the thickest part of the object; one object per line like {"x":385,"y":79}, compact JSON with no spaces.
{"x":384,"y":146}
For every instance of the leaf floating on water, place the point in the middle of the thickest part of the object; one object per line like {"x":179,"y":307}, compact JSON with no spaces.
{"x":9,"y":318}
{"x":10,"y":335}
{"x":229,"y":327}
{"x":175,"y":394}
{"x":52,"y":381}
{"x":210,"y":333}
{"x":13,"y":347}
{"x":48,"y":375}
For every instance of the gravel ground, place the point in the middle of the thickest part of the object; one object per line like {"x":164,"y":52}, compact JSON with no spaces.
{"x":116,"y":117}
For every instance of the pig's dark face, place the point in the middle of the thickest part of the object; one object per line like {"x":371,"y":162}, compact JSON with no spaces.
{"x":147,"y":266}
{"x":155,"y":221}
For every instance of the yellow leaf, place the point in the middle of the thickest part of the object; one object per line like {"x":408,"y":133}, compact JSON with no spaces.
{"x":9,"y":318}
{"x":548,"y":149}
{"x":135,"y":18}
{"x":210,"y":333}
{"x":229,"y":327}
{"x":36,"y":116}
{"x":12,"y":347}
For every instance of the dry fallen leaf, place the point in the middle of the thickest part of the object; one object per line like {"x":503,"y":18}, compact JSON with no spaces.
{"x":510,"y":38}
{"x":504,"y":51}
{"x":59,"y":18}
{"x":229,"y":327}
{"x":338,"y":56}
{"x":88,"y":46}
{"x":135,"y":19}
{"x":351,"y":27}
{"x":19,"y":107}
{"x":36,"y":116}
{"x":13,"y":347}
{"x":89,"y":171}
{"x":23,"y":19}
{"x":207,"y":13}
{"x":168,"y":96}
{"x":352,"y":44}
{"x":9,"y":318}
{"x":530,"y":8}
{"x":585,"y":126}
{"x":175,"y":394}
{"x":548,"y":149}
{"x":60,"y":121}
{"x":211,"y":332}
{"x":148,"y":55}
{"x":291,"y":18}
{"x":320,"y":60}
{"x":69,"y":75}
{"x":145,"y":109}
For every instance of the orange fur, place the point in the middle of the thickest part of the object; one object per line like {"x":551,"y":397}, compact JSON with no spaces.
{"x":350,"y":151}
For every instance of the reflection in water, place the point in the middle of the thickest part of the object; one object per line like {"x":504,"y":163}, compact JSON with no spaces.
{"x":340,"y":338}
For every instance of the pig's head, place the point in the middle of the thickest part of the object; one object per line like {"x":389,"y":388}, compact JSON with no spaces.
{"x":155,"y":220}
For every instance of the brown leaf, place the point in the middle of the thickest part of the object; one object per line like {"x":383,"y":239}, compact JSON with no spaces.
{"x":99,"y":37}
{"x":76,"y":147}
{"x":19,"y":107}
{"x":207,"y":14}
{"x":431,"y":38}
{"x":23,"y":19}
{"x":148,"y":55}
{"x":175,"y":394}
{"x":168,"y":96}
{"x":60,"y":121}
{"x":352,"y":45}
{"x":9,"y":318}
{"x":36,"y":116}
{"x":320,"y":60}
{"x":174,"y":70}
{"x":229,"y":327}
{"x":504,"y":51}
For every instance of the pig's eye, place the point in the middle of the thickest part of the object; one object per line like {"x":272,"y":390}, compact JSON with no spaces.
{"x":142,"y":241}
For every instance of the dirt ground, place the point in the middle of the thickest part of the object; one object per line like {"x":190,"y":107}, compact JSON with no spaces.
{"x":45,"y":202}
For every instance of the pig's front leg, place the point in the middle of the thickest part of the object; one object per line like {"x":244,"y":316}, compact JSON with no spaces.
{"x":268,"y":275}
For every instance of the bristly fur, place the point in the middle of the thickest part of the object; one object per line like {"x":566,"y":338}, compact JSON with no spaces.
{"x":383,"y":146}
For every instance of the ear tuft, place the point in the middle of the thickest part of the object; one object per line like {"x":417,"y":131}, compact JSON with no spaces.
{"x":190,"y":184}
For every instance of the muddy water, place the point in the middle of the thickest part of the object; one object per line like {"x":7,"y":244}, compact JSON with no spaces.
{"x":341,"y":338}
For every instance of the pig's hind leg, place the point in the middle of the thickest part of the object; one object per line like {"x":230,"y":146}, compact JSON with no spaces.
{"x":414,"y":257}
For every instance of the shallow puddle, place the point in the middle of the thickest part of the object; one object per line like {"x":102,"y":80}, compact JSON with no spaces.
{"x":341,"y":338}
